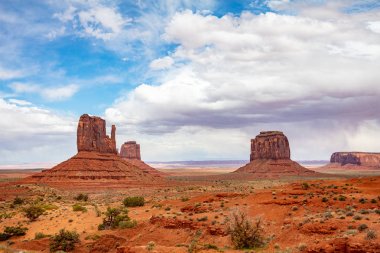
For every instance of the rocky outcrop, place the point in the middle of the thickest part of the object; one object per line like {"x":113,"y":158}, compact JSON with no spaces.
{"x":270,"y":145}
{"x":130,"y":150}
{"x":96,"y":163}
{"x":356,"y":158}
{"x":270,"y":157}
{"x":91,"y":135}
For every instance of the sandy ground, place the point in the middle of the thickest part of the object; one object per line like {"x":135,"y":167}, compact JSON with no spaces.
{"x":298,"y":215}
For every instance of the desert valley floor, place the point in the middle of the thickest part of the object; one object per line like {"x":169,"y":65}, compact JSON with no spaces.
{"x":191,"y":212}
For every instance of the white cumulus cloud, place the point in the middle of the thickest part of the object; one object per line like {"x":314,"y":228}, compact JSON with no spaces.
{"x":267,"y":71}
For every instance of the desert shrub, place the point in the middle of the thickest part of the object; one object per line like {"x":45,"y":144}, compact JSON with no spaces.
{"x":373,"y":201}
{"x":210,"y":246}
{"x":342,"y":198}
{"x":324,"y":199}
{"x":114,"y":216}
{"x":64,"y":240}
{"x":18,"y":201}
{"x":305,"y":186}
{"x":245,"y":234}
{"x":40,"y":235}
{"x":33,"y":212}
{"x":48,"y":207}
{"x":204,"y":218}
{"x":15,"y":231}
{"x":79,"y":208}
{"x":150,"y":246}
{"x":184,"y":199}
{"x":4,"y":236}
{"x":377,"y":211}
{"x":362,"y":200}
{"x":362,"y":227}
{"x":81,"y":197}
{"x":134,"y":201}
{"x":357,"y":217}
{"x":127,"y":224}
{"x":364,"y":211}
{"x":301,"y":247}
{"x":371,"y":235}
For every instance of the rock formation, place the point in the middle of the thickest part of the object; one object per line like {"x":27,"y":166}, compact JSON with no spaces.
{"x":96,"y":161}
{"x":356,"y":158}
{"x":270,"y":157}
{"x":130,"y":150}
{"x":270,"y":145}
{"x":91,"y":135}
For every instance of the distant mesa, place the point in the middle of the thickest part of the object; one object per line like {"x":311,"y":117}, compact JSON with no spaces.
{"x":130,"y":151}
{"x":355,"y":159}
{"x":270,"y":157}
{"x":97,"y":160}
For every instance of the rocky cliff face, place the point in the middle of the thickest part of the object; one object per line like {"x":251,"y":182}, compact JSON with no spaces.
{"x":130,"y":150}
{"x":270,"y":145}
{"x":97,"y":164}
{"x":91,"y":135}
{"x":356,"y":158}
{"x":270,"y":158}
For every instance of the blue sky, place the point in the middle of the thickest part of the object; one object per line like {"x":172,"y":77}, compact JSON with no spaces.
{"x":189,"y":79}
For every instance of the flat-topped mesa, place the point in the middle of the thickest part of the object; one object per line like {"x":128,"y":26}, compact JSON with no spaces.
{"x":91,"y":135}
{"x":130,"y":150}
{"x":270,"y":145}
{"x":270,"y":158}
{"x":356,"y":158}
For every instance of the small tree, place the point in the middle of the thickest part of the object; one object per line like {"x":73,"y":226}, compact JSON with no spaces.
{"x":114,"y":216}
{"x":33,"y":212}
{"x":64,"y":240}
{"x":245,"y":234}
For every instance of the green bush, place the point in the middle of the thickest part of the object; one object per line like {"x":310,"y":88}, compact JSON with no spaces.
{"x":81,"y":197}
{"x":305,"y":186}
{"x":15,"y":231}
{"x":134,"y":201}
{"x":204,"y":218}
{"x":362,"y":227}
{"x":127,"y":224}
{"x":342,"y":198}
{"x":40,"y":235}
{"x":245,"y":234}
{"x":4,"y":236}
{"x":64,"y":240}
{"x":33,"y":212}
{"x":114,"y":216}
{"x":79,"y":208}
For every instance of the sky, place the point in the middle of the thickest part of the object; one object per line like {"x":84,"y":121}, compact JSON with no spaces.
{"x":190,"y":80}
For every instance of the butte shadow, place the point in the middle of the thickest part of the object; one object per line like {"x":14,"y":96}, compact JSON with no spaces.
{"x":97,"y":162}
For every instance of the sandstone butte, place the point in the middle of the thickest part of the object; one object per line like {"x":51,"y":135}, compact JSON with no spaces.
{"x":130,"y":151}
{"x":96,"y":161}
{"x":270,"y":157}
{"x":355,"y":159}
